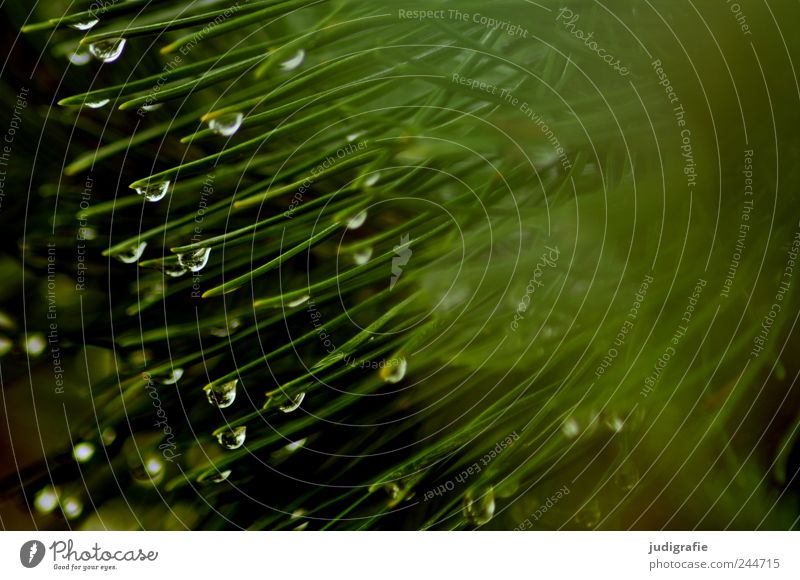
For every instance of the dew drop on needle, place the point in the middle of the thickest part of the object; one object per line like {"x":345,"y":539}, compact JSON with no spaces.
{"x":221,"y":395}
{"x":154,"y":191}
{"x":227,"y":124}
{"x":107,"y":50}
{"x":479,"y":505}
{"x":195,"y":260}
{"x":131,"y":254}
{"x":232,"y":438}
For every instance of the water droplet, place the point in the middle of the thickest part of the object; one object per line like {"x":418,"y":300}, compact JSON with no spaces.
{"x":46,"y":500}
{"x":589,"y":516}
{"x":294,"y":403}
{"x":295,"y":61}
{"x":72,"y":507}
{"x":80,"y":57}
{"x":227,"y":124}
{"x":172,"y":269}
{"x":221,"y":395}
{"x":83,"y":452}
{"x":372,"y":179}
{"x":195,"y":260}
{"x":131,"y":254}
{"x":394,"y":491}
{"x":232,"y":438}
{"x":154,"y":191}
{"x":107,"y":50}
{"x":153,"y":107}
{"x":479,"y":505}
{"x":397,"y":490}
{"x":395,"y":370}
{"x":85,"y":25}
{"x":35,"y":344}
{"x":170,"y":378}
{"x":96,"y":104}
{"x":626,"y":476}
{"x":220,"y":476}
{"x":297,"y":514}
{"x":363,"y":256}
{"x":299,"y":301}
{"x":5,"y":345}
{"x":357,"y":221}
{"x":353,"y":136}
{"x":570,"y":428}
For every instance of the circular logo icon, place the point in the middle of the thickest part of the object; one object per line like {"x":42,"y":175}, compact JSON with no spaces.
{"x":31,"y":553}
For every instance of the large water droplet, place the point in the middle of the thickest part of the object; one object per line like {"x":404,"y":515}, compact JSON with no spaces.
{"x":479,"y":505}
{"x":85,"y":25}
{"x":154,"y":191}
{"x":227,"y":124}
{"x":395,"y":370}
{"x":294,"y":403}
{"x":83,"y":452}
{"x":363,"y":256}
{"x":221,"y":395}
{"x":73,"y":507}
{"x":589,"y":516}
{"x":195,"y":260}
{"x":107,"y":50}
{"x":295,"y":61}
{"x":131,"y":254}
{"x":232,"y":438}
{"x":357,"y":221}
{"x":46,"y":500}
